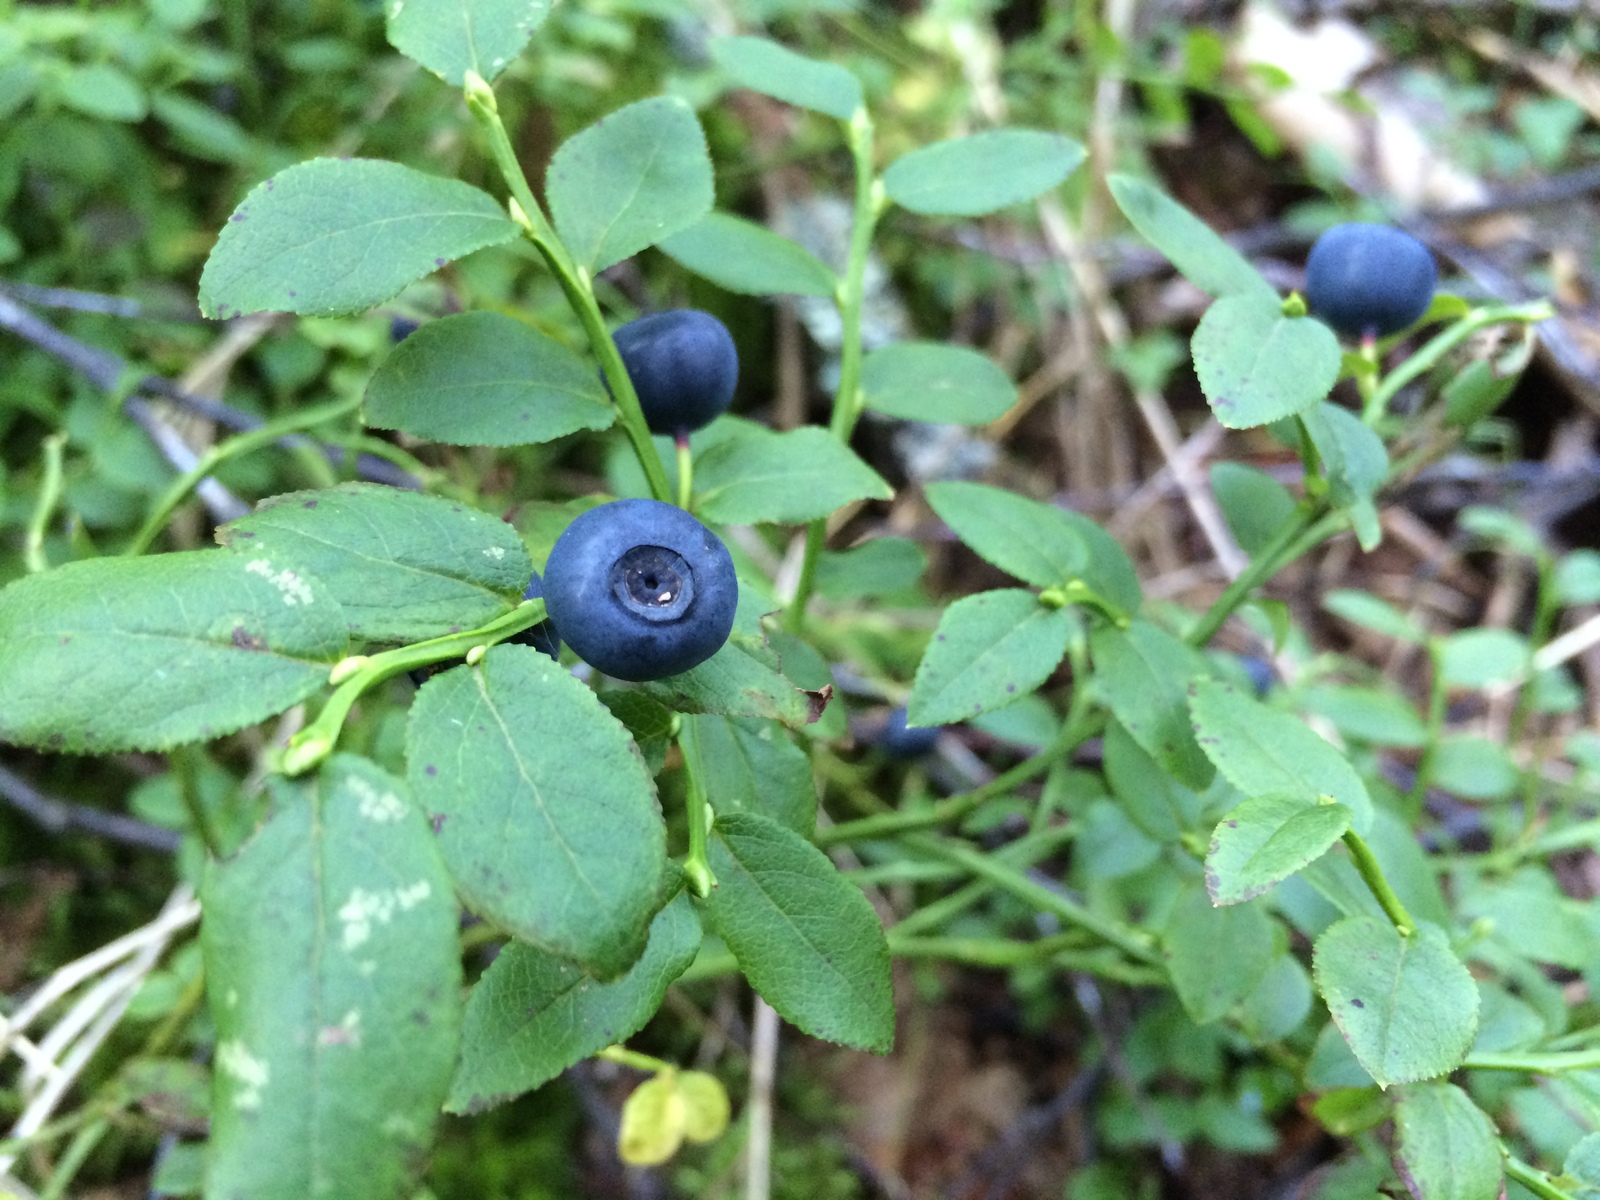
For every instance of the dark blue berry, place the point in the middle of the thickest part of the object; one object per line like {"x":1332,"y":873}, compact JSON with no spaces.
{"x":1260,"y":673}
{"x":640,"y":589}
{"x":400,"y":328}
{"x":684,"y":368}
{"x":543,"y":636}
{"x":1364,"y":279}
{"x":899,"y":741}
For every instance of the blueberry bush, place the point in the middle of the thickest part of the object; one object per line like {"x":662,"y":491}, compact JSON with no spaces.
{"x":607,"y":766}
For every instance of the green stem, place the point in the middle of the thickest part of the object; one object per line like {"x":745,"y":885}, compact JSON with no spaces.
{"x":77,"y":1153}
{"x":189,"y":790}
{"x":1535,"y":1064}
{"x":574,"y":280}
{"x":1547,"y":605}
{"x":1310,"y":527}
{"x":355,"y":676}
{"x":45,"y":506}
{"x":1425,"y":359}
{"x":697,"y":808}
{"x":632,"y":1058}
{"x":1417,"y":797}
{"x":1020,"y":854}
{"x":685,"y":471}
{"x":239,"y":444}
{"x":1535,"y":1180}
{"x":1372,"y":875}
{"x":1073,"y":734}
{"x":850,"y":297}
{"x":1134,"y":944}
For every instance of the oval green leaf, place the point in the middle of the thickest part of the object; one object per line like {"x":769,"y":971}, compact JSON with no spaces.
{"x":1445,"y":1145}
{"x":485,"y":379}
{"x":929,"y":381}
{"x":1265,"y":839}
{"x":783,"y":478}
{"x":773,"y":70}
{"x":970,"y":176}
{"x":1216,"y":956}
{"x":748,"y":258}
{"x":1406,"y":1005}
{"x":1188,"y":243}
{"x":629,"y":180}
{"x":807,"y":940}
{"x":1146,"y":673}
{"x":452,"y":37}
{"x":1257,"y":366}
{"x":334,"y":973}
{"x":148,"y":653}
{"x":546,"y":815}
{"x":989,"y":650}
{"x":533,"y":1015}
{"x":334,"y":236}
{"x":1020,"y":536}
{"x":404,"y":567}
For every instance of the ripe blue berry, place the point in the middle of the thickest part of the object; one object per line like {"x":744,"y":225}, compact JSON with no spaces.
{"x":684,"y":368}
{"x":640,"y":589}
{"x":543,"y":636}
{"x":1364,"y":279}
{"x":902,"y":742}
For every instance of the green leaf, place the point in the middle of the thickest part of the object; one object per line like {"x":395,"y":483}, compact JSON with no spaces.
{"x":1583,"y":1164}
{"x":1354,"y":461}
{"x":631,"y":179}
{"x":1020,"y":536}
{"x":1256,"y":365}
{"x":1364,"y":714}
{"x":1407,"y":1006}
{"x":1473,"y":767}
{"x":733,"y":683}
{"x":1265,"y":752}
{"x":334,"y":236}
{"x":807,"y":940}
{"x":533,"y":1015}
{"x":546,"y":816}
{"x":879,"y":567}
{"x":485,"y":379}
{"x":1188,"y":243}
{"x":1109,"y":845}
{"x":752,"y":766}
{"x":1280,"y":1003}
{"x":334,"y":973}
{"x":147,"y":653}
{"x":1479,"y":658}
{"x":970,"y":176}
{"x":773,"y":70}
{"x":784,"y":478}
{"x":1145,"y":674}
{"x":1445,"y":1146}
{"x":403,"y":566}
{"x":748,"y":258}
{"x":1109,"y":573}
{"x":1367,"y":611}
{"x":452,"y":37}
{"x":930,"y":381}
{"x":104,"y":91}
{"x":1264,"y":840}
{"x":1156,"y":802}
{"x":1255,"y":504}
{"x":1216,"y":956}
{"x":989,"y":650}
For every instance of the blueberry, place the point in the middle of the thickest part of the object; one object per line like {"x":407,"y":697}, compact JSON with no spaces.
{"x":899,"y":741}
{"x":1260,"y":673}
{"x":684,"y":368}
{"x":640,"y":589}
{"x":1364,"y":279}
{"x":400,"y":328}
{"x":543,"y":636}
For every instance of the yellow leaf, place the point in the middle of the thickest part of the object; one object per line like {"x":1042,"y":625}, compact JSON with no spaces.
{"x":652,"y":1122}
{"x":705,"y":1106}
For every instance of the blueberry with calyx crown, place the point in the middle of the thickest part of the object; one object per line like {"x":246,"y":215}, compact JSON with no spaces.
{"x":640,"y":589}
